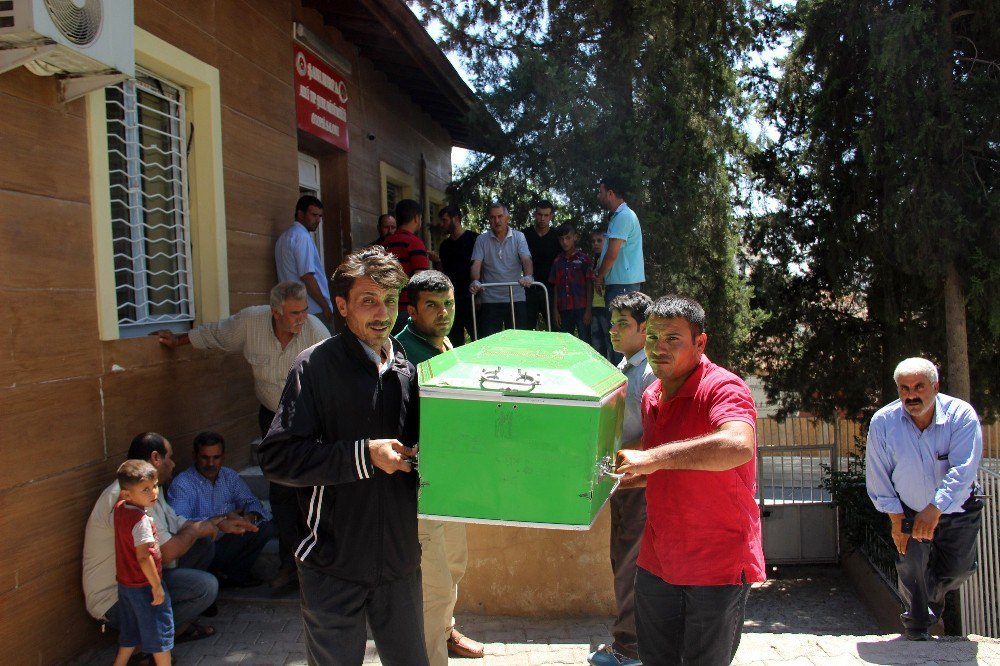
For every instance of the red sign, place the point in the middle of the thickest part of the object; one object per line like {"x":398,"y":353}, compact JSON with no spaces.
{"x":320,"y":98}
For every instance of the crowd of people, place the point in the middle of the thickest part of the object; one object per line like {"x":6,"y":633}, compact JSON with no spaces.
{"x":339,"y":419}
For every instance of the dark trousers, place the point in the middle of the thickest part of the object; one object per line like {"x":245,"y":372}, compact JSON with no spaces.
{"x":334,"y":612}
{"x":495,"y":317}
{"x":687,"y":624}
{"x":463,"y":321}
{"x":288,"y":524}
{"x":235,"y":554}
{"x":628,"y":520}
{"x":600,"y":331}
{"x":931,"y":569}
{"x":571,"y":321}
{"x":534,"y":308}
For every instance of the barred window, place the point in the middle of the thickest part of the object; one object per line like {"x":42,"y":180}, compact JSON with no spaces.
{"x":393,"y":195}
{"x":149,"y":205}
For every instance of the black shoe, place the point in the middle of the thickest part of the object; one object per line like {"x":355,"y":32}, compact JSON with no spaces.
{"x":916,"y":635}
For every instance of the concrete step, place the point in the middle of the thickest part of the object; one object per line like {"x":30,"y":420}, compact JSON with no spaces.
{"x":254,"y":478}
{"x":254,"y":446}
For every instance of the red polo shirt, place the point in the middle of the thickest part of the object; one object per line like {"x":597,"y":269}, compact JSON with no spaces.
{"x":702,"y":528}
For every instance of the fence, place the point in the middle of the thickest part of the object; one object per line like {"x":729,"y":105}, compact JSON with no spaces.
{"x":980,"y":596}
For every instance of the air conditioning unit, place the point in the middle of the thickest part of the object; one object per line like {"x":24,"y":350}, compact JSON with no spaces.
{"x":88,"y":43}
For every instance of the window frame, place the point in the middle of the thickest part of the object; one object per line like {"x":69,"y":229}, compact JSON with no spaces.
{"x":206,"y":195}
{"x":399,"y":178}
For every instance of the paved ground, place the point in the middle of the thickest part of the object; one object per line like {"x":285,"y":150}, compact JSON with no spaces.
{"x":807,"y":616}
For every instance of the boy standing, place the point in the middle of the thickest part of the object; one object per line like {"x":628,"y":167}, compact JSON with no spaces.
{"x":146,"y":616}
{"x":572,"y":280}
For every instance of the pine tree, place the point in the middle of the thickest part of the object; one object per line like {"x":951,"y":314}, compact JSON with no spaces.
{"x":644,"y":89}
{"x":882,"y":240}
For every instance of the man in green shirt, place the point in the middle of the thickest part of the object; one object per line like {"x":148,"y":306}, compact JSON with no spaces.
{"x":444,"y":550}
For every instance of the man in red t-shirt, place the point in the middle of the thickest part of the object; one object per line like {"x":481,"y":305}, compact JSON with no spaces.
{"x":408,"y":247}
{"x":701,"y":548}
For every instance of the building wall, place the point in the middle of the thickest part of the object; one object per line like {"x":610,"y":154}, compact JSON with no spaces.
{"x":70,"y":402}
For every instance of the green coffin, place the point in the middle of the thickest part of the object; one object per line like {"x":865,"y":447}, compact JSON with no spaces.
{"x":519,"y":428}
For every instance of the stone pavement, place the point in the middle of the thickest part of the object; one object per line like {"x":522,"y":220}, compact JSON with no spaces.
{"x":807,"y":616}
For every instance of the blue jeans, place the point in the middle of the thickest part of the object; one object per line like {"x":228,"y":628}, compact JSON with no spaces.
{"x":612,"y":290}
{"x":191,"y":591}
{"x":600,"y":331}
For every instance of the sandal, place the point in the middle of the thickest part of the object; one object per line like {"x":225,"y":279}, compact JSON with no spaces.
{"x":194,"y":632}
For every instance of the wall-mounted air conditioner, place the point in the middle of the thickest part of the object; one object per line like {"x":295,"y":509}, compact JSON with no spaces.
{"x":88,"y":43}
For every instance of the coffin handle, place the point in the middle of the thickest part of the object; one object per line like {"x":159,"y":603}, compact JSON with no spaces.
{"x":605,"y":467}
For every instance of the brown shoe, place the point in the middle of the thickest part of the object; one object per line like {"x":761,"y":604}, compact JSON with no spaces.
{"x":463,"y":646}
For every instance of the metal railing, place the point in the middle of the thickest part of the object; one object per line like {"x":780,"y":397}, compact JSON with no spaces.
{"x":981,"y":593}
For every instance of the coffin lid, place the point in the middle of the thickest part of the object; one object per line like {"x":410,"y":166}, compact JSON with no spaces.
{"x":534,"y":364}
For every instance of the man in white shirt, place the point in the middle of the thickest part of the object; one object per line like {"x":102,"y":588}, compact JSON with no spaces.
{"x":628,"y":505}
{"x":501,"y":255}
{"x":297,"y":257}
{"x":269,"y":337}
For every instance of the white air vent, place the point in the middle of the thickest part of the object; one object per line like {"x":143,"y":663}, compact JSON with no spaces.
{"x":89,"y":42}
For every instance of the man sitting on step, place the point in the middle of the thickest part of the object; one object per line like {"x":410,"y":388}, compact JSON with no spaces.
{"x":208,"y":489}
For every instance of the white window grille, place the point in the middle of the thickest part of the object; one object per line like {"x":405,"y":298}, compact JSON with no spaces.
{"x":149,"y":205}
{"x":393,"y":195}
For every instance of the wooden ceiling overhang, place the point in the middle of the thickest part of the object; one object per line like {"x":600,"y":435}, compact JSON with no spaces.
{"x":387,"y":33}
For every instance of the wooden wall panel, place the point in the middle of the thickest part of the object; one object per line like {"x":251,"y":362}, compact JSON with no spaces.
{"x":183,"y":31}
{"x":32,"y":135}
{"x":21,"y":84}
{"x":45,"y":620}
{"x":34,"y":444}
{"x":258,"y":150}
{"x":254,"y":92}
{"x":251,"y":263}
{"x":244,"y":299}
{"x":181,"y":398}
{"x":46,"y":510}
{"x":44,"y":335}
{"x":240,"y":28}
{"x":47,"y":243}
{"x":259,"y":206}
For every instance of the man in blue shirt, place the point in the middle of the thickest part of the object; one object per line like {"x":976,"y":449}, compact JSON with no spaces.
{"x":297,"y":258}
{"x":208,"y":489}
{"x":620,"y":269}
{"x":921,"y":462}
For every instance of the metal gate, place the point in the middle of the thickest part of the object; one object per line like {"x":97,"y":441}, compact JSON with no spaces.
{"x":799,"y":521}
{"x":980,"y":596}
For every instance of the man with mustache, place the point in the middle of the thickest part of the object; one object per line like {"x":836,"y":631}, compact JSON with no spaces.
{"x":269,"y":337}
{"x":443,"y":546}
{"x":701,"y":548}
{"x":920,"y":465}
{"x":344,"y":437}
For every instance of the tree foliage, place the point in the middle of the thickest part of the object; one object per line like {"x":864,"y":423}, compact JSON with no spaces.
{"x":882,"y":179}
{"x":644,"y":89}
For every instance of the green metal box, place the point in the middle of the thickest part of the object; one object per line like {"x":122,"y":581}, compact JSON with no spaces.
{"x":519,"y":428}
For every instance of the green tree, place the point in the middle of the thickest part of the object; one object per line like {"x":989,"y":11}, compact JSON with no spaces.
{"x":881,"y":241}
{"x":645,"y":89}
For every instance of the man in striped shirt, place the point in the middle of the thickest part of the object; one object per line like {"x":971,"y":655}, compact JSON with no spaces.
{"x":269,"y":337}
{"x":407,"y":246}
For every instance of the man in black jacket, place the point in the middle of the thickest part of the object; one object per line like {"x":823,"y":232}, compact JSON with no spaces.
{"x":343,"y":436}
